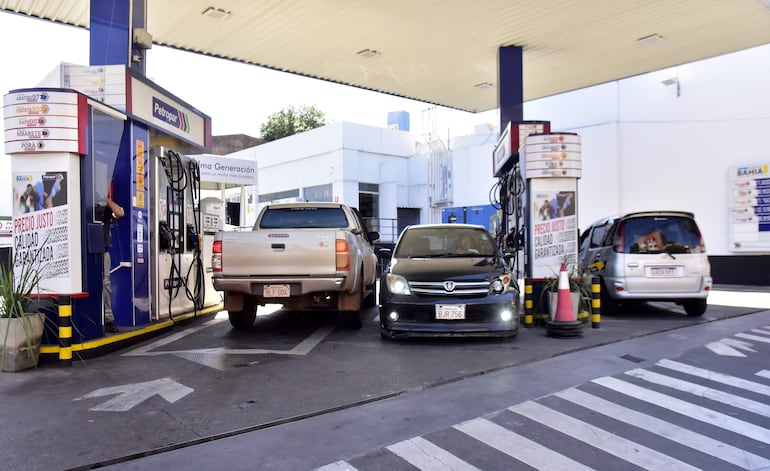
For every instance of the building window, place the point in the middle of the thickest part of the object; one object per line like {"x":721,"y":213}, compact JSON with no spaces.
{"x":318,"y":193}
{"x":369,"y":204}
{"x":279,"y":195}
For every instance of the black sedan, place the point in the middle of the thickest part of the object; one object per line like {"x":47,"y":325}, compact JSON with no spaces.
{"x":447,"y":280}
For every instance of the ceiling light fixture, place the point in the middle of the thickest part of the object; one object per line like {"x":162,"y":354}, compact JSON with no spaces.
{"x":484,"y":86}
{"x":216,"y":13}
{"x":368,"y":53}
{"x":669,"y":81}
{"x":650,"y":40}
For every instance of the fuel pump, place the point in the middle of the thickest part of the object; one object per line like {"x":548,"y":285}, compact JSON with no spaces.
{"x":74,"y":143}
{"x":175,"y":210}
{"x":511,"y":190}
{"x":536,"y":191}
{"x":552,"y":166}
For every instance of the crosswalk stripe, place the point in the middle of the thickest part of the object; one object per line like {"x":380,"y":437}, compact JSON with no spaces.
{"x":716,"y":377}
{"x":429,"y":457}
{"x":337,"y":466}
{"x":702,"y":391}
{"x":761,"y":331}
{"x":426,"y":455}
{"x":755,"y":338}
{"x":675,"y":433}
{"x":517,"y":446}
{"x":687,"y":409}
{"x":622,"y":448}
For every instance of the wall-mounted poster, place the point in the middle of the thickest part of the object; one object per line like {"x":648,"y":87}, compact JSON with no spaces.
{"x":749,"y":208}
{"x":40,"y":225}
{"x":553,"y":223}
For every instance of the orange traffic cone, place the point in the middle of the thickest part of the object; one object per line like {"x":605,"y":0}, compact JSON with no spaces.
{"x":564,"y":323}
{"x":564,"y":312}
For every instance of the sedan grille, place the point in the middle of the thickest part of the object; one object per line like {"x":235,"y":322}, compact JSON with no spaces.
{"x":450,"y":288}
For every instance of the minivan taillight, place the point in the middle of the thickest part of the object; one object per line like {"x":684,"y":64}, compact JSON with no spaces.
{"x":216,"y":256}
{"x":701,"y":244}
{"x":342,"y":254}
{"x":618,"y":246}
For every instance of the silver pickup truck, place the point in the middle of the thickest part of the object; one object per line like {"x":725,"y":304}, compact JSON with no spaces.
{"x":301,"y":255}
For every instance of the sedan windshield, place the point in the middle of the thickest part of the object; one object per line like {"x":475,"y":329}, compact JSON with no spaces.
{"x":448,"y":241}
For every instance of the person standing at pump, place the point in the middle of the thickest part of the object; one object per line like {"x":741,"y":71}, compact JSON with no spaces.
{"x":112,"y":210}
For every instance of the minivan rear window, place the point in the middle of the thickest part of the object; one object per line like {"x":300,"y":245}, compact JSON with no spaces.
{"x":660,"y":234}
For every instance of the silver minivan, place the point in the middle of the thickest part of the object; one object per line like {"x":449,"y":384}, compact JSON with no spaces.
{"x":647,"y":256}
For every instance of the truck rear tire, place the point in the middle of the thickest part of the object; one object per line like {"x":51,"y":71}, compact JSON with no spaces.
{"x":350,"y":306}
{"x":244,"y":319}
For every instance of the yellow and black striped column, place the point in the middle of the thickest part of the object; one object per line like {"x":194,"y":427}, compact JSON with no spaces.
{"x":65,"y":330}
{"x":529,"y":303}
{"x":596,"y":302}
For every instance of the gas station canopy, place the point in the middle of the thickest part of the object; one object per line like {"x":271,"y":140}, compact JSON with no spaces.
{"x":445,"y":52}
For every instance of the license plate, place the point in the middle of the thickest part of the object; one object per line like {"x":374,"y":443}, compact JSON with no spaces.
{"x":276,"y":291}
{"x":662,"y":272}
{"x":450,"y":311}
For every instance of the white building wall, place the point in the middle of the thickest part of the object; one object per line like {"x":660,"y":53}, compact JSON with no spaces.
{"x":472,"y":166}
{"x":343,"y":155}
{"x":644,"y":147}
{"x":413,"y":191}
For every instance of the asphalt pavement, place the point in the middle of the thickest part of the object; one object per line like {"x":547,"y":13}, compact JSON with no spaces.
{"x":201,"y":395}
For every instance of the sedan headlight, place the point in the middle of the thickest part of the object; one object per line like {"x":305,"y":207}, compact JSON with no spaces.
{"x":397,"y":284}
{"x":497,"y":286}
{"x":500,"y":285}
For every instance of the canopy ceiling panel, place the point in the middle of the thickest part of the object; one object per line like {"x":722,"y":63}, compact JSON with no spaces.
{"x":445,"y":51}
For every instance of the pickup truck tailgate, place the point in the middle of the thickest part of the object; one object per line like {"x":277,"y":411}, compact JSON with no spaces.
{"x":307,"y":252}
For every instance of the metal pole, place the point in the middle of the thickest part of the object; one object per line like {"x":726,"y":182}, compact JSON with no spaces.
{"x":65,"y":330}
{"x":596,"y":302}
{"x":529,"y":305}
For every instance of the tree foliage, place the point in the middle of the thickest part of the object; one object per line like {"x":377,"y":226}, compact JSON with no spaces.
{"x":290,"y":121}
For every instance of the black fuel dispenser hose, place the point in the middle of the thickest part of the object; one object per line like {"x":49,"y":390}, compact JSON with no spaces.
{"x":198,"y":294}
{"x":179,"y":181}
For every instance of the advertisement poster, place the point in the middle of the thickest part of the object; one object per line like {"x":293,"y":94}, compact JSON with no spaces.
{"x":554,"y":231}
{"x":40,"y":230}
{"x":749,"y":207}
